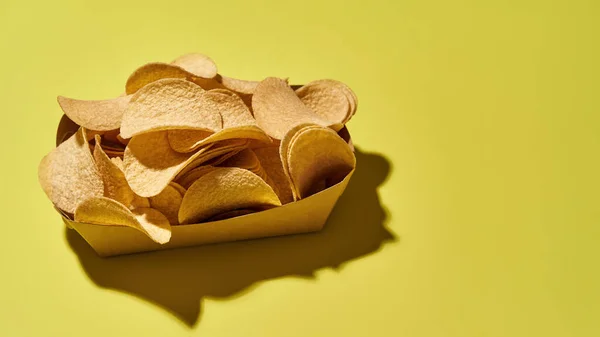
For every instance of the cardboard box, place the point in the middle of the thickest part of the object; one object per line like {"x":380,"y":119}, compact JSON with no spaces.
{"x":303,"y":216}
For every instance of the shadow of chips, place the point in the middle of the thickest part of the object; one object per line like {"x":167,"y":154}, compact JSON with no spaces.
{"x":178,"y":280}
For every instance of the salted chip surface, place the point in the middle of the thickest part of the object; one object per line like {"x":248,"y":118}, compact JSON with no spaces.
{"x":178,"y":187}
{"x":105,"y":211}
{"x":278,"y":109}
{"x":150,"y":163}
{"x":170,"y":104}
{"x":68,"y":174}
{"x":316,"y":154}
{"x":237,"y":85}
{"x":152,"y":72}
{"x":190,"y":177}
{"x":237,"y":123}
{"x":328,"y":101}
{"x":115,"y":184}
{"x":99,"y":115}
{"x":167,"y":202}
{"x":270,"y":162}
{"x":197,"y":64}
{"x":225,"y":189}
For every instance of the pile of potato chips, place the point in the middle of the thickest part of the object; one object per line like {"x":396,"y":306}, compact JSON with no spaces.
{"x":186,"y":145}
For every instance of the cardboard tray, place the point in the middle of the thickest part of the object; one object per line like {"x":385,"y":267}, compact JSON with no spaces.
{"x":303,"y":216}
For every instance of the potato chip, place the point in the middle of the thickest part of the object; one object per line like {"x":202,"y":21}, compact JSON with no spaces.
{"x":225,"y":189}
{"x":190,"y":177}
{"x":197,"y":64}
{"x":284,"y":146}
{"x":105,"y":211}
{"x":152,"y":72}
{"x":139,"y":202}
{"x":115,"y":184}
{"x":178,"y":187}
{"x":170,"y":104}
{"x":328,"y":100}
{"x":167,"y":202}
{"x":237,"y":123}
{"x":239,"y":86}
{"x":216,"y":154}
{"x":271,"y":164}
{"x":230,"y":214}
{"x":150,"y":162}
{"x":317,"y":154}
{"x":68,"y":174}
{"x":277,"y":109}
{"x":248,"y":160}
{"x":100,"y":115}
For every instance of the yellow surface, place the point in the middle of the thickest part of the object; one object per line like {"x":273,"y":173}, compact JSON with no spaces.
{"x":484,"y":115}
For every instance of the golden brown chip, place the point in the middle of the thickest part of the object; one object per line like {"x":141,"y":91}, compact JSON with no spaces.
{"x":190,"y":177}
{"x":139,"y":202}
{"x":171,"y":104}
{"x":68,"y":174}
{"x":216,"y":154}
{"x":316,"y":154}
{"x":277,"y":109}
{"x":248,"y":160}
{"x":105,"y":211}
{"x":167,"y":202}
{"x":150,"y":162}
{"x":197,"y":64}
{"x":284,"y":146}
{"x":152,"y":72}
{"x":237,"y":123}
{"x":115,"y":184}
{"x":239,"y":86}
{"x":271,"y":164}
{"x":225,"y":189}
{"x":328,"y":100}
{"x":230,"y":214}
{"x":95,"y":115}
{"x":179,"y":188}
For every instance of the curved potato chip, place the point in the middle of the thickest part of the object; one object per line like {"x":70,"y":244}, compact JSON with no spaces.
{"x":178,"y":187}
{"x":230,"y":214}
{"x":197,"y":64}
{"x":105,"y":211}
{"x":115,"y":184}
{"x":151,"y":164}
{"x":271,"y":164}
{"x":171,"y":104}
{"x":152,"y":72}
{"x":190,"y":177}
{"x":284,"y":146}
{"x":239,"y":86}
{"x":248,"y":160}
{"x":327,"y":100}
{"x":277,"y":109}
{"x":217,"y":153}
{"x":167,"y":202}
{"x":68,"y":174}
{"x":316,"y":154}
{"x":350,"y":95}
{"x":237,"y":123}
{"x":225,"y":189}
{"x":102,"y":115}
{"x":139,"y":202}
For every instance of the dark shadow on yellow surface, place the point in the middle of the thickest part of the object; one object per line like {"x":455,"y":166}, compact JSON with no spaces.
{"x":177,"y":280}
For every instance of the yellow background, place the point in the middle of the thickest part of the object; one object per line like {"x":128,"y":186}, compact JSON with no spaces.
{"x":478,"y":122}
